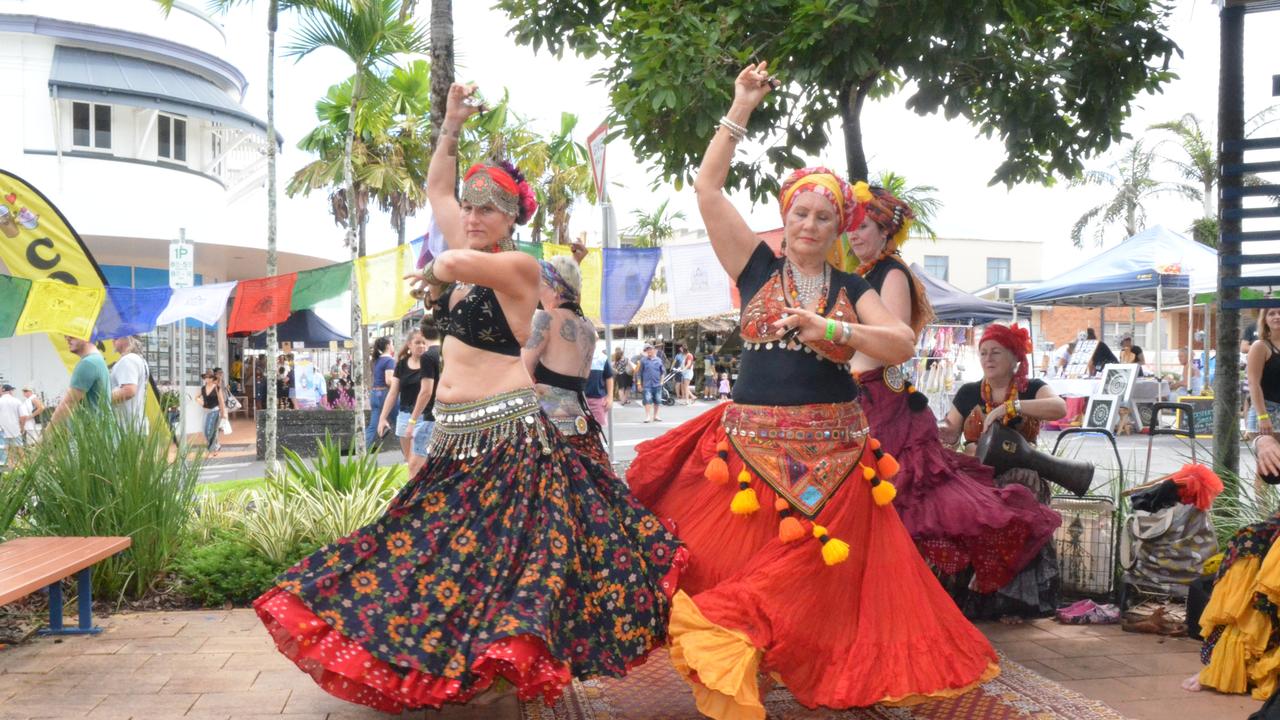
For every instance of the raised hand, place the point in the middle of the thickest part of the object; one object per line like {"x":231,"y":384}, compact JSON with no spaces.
{"x":753,"y":83}
{"x":457,"y":109}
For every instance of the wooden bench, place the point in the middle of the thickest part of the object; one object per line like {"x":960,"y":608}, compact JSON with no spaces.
{"x":28,"y":564}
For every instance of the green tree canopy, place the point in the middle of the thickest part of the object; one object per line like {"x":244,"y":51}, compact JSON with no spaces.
{"x":1053,"y":79}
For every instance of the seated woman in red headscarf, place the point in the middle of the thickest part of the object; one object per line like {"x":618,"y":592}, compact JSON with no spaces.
{"x":960,"y":521}
{"x":1006,"y":395}
{"x":800,"y":567}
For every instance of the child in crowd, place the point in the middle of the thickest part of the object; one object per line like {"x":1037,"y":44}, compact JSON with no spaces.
{"x":724,"y":386}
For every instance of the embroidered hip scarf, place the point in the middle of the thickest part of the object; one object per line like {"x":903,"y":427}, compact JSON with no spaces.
{"x":465,"y":430}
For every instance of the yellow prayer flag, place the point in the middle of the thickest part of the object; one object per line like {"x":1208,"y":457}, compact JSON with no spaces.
{"x":56,"y":307}
{"x":384,"y":294}
{"x":592,"y":268}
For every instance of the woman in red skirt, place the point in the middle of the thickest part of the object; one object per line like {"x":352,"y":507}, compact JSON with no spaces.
{"x":948,"y":501}
{"x":800,"y":567}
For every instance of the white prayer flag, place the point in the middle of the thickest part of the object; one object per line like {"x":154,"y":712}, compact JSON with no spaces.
{"x":697,"y":285}
{"x":205,"y":303}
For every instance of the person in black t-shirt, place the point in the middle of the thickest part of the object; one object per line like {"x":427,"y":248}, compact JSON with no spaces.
{"x":412,"y":383}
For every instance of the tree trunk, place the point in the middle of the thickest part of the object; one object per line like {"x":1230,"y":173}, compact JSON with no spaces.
{"x":851,"y":99}
{"x":1130,"y":220}
{"x":441,"y":62}
{"x":273,"y":345}
{"x":1208,"y":198}
{"x":1226,"y":390}
{"x":353,"y":217}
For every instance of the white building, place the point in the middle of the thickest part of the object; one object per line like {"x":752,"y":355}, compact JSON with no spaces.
{"x":978,"y":266}
{"x":130,"y":122}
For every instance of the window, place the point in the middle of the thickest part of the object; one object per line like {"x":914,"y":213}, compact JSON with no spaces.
{"x":171,"y":136}
{"x":91,"y":125}
{"x":937,"y":265}
{"x":997,"y":270}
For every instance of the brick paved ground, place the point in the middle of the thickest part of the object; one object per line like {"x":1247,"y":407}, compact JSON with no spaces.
{"x":220,"y":665}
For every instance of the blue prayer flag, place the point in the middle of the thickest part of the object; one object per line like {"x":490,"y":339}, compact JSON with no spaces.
{"x":627,"y":275}
{"x":130,"y":311}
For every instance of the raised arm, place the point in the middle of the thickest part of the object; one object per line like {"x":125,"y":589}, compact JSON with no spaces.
{"x":731,"y":237}
{"x":442,"y":174}
{"x":508,"y":273}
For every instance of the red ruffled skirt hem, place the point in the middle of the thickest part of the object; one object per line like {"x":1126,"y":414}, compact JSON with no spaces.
{"x":346,"y":670}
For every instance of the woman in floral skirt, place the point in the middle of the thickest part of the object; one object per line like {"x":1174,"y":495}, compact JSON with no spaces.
{"x":508,"y":555}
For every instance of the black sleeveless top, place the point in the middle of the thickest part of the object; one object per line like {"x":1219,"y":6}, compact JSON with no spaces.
{"x":477,"y":320}
{"x":546,"y":376}
{"x":876,"y":276}
{"x":774,"y":376}
{"x":1271,"y":375}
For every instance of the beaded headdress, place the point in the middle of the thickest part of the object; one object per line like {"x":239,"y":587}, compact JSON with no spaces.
{"x":893,"y":216}
{"x":501,"y":186}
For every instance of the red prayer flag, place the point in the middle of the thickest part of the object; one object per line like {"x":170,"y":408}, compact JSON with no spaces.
{"x":261,"y":303}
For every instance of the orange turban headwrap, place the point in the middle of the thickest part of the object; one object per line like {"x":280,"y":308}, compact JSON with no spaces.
{"x":1018,"y":341}
{"x":847,"y":199}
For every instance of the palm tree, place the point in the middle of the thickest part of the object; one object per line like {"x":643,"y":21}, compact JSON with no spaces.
{"x":651,"y":230}
{"x":568,"y":177}
{"x":273,"y":346}
{"x":920,"y":198}
{"x":370,"y":33}
{"x":1134,"y":183}
{"x":441,"y":61}
{"x":1198,"y":166}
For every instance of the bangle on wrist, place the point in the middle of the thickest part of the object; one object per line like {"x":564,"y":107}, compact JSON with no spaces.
{"x":1263,"y":416}
{"x":1017,"y":406}
{"x":736,"y":131}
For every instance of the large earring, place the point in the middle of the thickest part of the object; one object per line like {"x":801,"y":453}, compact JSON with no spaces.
{"x":784,"y":244}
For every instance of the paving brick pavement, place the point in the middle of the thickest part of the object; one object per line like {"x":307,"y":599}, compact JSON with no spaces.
{"x":220,"y":665}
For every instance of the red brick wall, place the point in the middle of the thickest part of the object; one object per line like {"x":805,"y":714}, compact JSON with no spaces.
{"x":1060,"y":324}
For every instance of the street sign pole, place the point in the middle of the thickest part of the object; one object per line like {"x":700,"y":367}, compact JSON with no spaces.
{"x":182,"y":275}
{"x":609,"y":239}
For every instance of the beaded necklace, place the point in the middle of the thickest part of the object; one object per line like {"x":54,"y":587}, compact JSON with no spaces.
{"x":805,"y":288}
{"x":988,"y":406}
{"x":864,"y":268}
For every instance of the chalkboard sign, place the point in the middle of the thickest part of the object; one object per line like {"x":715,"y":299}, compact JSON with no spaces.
{"x":1203,"y":414}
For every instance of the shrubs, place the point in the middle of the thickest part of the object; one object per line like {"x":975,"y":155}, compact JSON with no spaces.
{"x":97,"y":476}
{"x":223,"y":569}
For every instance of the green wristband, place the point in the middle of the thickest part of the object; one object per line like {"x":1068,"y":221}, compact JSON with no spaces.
{"x":831,"y":331}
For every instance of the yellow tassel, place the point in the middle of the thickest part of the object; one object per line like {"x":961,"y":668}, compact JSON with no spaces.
{"x":883,"y":492}
{"x":717,"y":471}
{"x":819,"y":531}
{"x":900,"y":237}
{"x":835,"y":551}
{"x":744,"y":502}
{"x":868,"y":473}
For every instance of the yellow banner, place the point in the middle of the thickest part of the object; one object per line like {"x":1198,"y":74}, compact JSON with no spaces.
{"x":384,"y":295}
{"x":56,"y":307}
{"x":37,"y":243}
{"x":592,"y":268}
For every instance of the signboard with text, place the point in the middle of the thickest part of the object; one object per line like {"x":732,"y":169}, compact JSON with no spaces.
{"x":182,"y":264}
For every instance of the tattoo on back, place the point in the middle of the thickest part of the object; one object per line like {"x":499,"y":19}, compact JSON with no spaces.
{"x":538,"y":332}
{"x":568,"y":329}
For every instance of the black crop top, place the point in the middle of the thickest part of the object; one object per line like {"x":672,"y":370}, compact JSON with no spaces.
{"x":1271,"y":375}
{"x":875,"y":277}
{"x":544,"y":375}
{"x":477,"y":320}
{"x":777,"y":376}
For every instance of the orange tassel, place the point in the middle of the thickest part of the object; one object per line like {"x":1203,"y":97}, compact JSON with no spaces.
{"x":887,"y":465}
{"x":868,"y":473}
{"x":717,"y":471}
{"x":874,"y":444}
{"x":789,"y":528}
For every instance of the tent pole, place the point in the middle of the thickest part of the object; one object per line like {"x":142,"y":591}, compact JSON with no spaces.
{"x":1159,"y":309}
{"x":1191,"y":331}
{"x":1102,"y":323}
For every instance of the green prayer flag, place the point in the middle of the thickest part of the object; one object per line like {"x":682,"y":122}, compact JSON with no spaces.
{"x":13,"y":298}
{"x":534,"y":249}
{"x":315,"y":286}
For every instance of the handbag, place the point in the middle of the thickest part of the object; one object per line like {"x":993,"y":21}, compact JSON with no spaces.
{"x":1167,"y":548}
{"x":225,"y":426}
{"x":232,"y":403}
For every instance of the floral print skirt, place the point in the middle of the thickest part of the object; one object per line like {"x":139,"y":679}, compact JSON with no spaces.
{"x":530,"y":561}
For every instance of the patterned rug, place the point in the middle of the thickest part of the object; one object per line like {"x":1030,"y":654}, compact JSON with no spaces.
{"x":654,"y":691}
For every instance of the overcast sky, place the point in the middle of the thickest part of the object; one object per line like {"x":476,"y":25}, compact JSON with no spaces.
{"x":926,"y":150}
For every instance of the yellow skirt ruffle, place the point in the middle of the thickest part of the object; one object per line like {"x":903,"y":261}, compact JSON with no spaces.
{"x":1240,"y":657}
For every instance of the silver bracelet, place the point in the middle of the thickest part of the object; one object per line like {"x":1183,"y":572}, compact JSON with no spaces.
{"x":846,"y":332}
{"x":736,"y":131}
